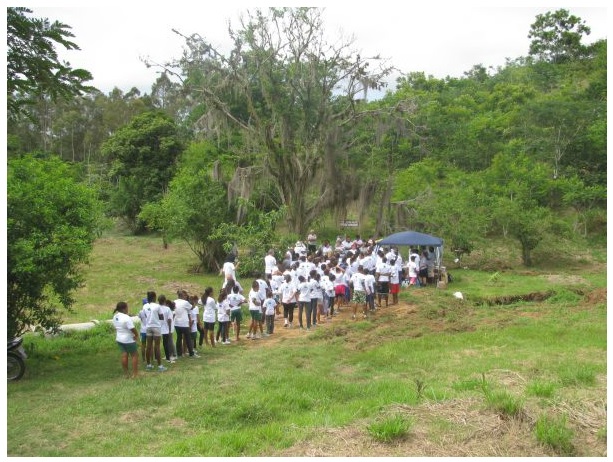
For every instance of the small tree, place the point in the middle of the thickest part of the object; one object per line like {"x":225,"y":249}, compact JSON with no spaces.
{"x":143,"y":156}
{"x":52,"y":221}
{"x":191,"y":210}
{"x":556,"y":37}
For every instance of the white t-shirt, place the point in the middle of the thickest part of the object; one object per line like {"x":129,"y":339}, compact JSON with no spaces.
{"x":288,"y":292}
{"x":304,"y":292}
{"x":369,"y":283}
{"x":269,"y":305}
{"x":269,"y":263}
{"x":229,"y":271}
{"x":384,"y":271}
{"x":210,"y":306}
{"x":358,"y":282}
{"x":235,"y":301}
{"x":166,"y":314}
{"x":182,"y":309}
{"x":153,"y":311}
{"x":223,"y":311}
{"x":193,"y":315}
{"x":124,"y":325}
{"x":142,"y":315}
{"x":255,"y":302}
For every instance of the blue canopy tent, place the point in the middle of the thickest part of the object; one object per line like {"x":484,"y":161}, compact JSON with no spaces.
{"x":415,"y":239}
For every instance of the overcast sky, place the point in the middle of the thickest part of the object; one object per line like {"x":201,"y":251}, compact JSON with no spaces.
{"x":440,"y":40}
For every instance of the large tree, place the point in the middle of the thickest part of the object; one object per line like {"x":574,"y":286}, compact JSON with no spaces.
{"x":293,"y":96}
{"x":52,"y":221}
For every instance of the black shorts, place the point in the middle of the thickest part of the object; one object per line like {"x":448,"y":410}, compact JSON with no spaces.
{"x":383,"y":287}
{"x":423,"y":273}
{"x":209,"y":326}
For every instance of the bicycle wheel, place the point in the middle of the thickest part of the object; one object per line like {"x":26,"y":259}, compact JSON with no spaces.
{"x":15,"y":366}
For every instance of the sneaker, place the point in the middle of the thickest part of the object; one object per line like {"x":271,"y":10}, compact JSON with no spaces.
{"x":149,"y":367}
{"x":290,"y":325}
{"x":227,"y":342}
{"x":249,"y":335}
{"x":195,"y":355}
{"x":285,"y":325}
{"x":162,"y":368}
{"x":353,"y":316}
{"x":258,"y":336}
{"x":308,"y":328}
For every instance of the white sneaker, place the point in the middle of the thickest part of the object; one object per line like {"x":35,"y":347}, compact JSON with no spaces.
{"x":249,"y":335}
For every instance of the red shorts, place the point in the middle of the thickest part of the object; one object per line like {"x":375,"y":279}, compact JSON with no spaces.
{"x":339,"y":291}
{"x":394,"y":288}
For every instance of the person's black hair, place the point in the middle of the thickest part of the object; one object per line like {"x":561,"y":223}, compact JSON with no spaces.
{"x":151,"y":297}
{"x":120,"y":307}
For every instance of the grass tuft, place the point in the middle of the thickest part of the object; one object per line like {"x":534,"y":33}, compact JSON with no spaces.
{"x":555,"y":434}
{"x":391,"y":428}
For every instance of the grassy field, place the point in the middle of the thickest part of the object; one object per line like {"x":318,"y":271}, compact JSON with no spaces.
{"x":518,"y":368}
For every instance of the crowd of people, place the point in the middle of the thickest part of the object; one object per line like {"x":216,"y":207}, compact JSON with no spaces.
{"x":307,"y":287}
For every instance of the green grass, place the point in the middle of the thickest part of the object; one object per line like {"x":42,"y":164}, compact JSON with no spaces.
{"x":390,"y":428}
{"x":555,"y":433}
{"x":253,"y":399}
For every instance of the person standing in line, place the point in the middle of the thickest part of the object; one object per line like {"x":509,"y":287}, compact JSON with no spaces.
{"x":289,"y":298}
{"x":154,"y":331}
{"x":339,"y":285}
{"x":255,"y":311}
{"x":413,"y":271}
{"x":304,"y":301}
{"x":195,"y":321}
{"x":359,"y":295}
{"x":183,"y":324}
{"x":270,"y":308}
{"x":166,"y":326}
{"x":235,"y":300}
{"x":208,"y":315}
{"x":369,"y":288}
{"x":142,"y":315}
{"x":223,"y":318}
{"x":329,"y":293}
{"x":171,"y":306}
{"x":423,"y":268}
{"x":126,"y":338}
{"x":382,"y":276}
{"x":394,"y":282}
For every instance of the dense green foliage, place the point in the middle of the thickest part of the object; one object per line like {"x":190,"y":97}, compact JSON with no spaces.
{"x":52,"y":221}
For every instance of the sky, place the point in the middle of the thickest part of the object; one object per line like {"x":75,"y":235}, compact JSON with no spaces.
{"x":440,"y":40}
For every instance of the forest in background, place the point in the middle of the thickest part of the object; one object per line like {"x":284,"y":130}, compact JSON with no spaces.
{"x":254,"y":147}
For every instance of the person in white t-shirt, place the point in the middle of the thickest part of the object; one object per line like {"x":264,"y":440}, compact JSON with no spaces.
{"x":235,"y":300}
{"x":209,"y":315}
{"x":126,"y":338}
{"x":223,"y":318}
{"x":359,"y":294}
{"x":289,"y":299}
{"x":382,"y":274}
{"x":270,"y":307}
{"x":154,"y":331}
{"x":183,"y":324}
{"x":229,"y":270}
{"x":166,"y":326}
{"x":269,"y":262}
{"x":370,"y":288}
{"x":255,"y":311}
{"x":142,"y":316}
